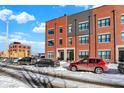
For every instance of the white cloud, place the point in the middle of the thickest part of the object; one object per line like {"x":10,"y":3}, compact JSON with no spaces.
{"x":40,"y":28}
{"x":37,"y":46}
{"x":22,"y":17}
{"x":5,"y":14}
{"x":86,"y":7}
{"x":21,"y":33}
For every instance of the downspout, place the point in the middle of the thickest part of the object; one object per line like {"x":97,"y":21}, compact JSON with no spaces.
{"x":75,"y":39}
{"x":89,"y":36}
{"x":95,"y":36}
{"x":114,"y":27}
{"x":46,"y":41}
{"x":55,"y":42}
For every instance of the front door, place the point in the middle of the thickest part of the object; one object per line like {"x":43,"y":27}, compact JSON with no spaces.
{"x":71,"y":54}
{"x":121,"y":55}
{"x":61,"y":55}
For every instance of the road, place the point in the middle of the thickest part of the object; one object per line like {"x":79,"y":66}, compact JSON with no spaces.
{"x":7,"y":81}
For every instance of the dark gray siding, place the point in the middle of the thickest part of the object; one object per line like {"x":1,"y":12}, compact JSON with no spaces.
{"x":75,"y":19}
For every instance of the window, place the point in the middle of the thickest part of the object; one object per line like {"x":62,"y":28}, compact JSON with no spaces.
{"x":122,"y":35}
{"x":104,"y":38}
{"x":83,"y":39}
{"x":60,"y":41}
{"x":51,"y":43}
{"x":94,"y":60}
{"x":83,"y":54}
{"x":51,"y":31}
{"x":122,"y":18}
{"x":69,"y":28}
{"x":50,"y":55}
{"x":60,"y":29}
{"x":104,"y":22}
{"x":83,"y":26}
{"x":104,"y":54}
{"x":70,"y":40}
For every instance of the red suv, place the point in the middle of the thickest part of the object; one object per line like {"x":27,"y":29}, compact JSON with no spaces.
{"x":90,"y":64}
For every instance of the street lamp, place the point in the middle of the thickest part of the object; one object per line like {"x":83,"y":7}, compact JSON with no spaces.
{"x":7,"y":42}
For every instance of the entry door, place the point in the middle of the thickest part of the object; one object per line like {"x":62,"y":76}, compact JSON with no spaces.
{"x":61,"y":55}
{"x":71,"y":53}
{"x":121,"y":55}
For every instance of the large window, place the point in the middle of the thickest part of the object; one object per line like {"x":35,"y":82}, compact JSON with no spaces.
{"x":83,"y":39}
{"x":50,"y":55}
{"x":122,"y":35}
{"x":69,"y":28}
{"x":51,"y":43}
{"x":104,"y":54}
{"x":60,"y":29}
{"x":83,"y":26}
{"x":104,"y":22}
{"x":51,"y":31}
{"x":83,"y":54}
{"x":104,"y":38}
{"x":70,"y":40}
{"x":60,"y":41}
{"x":122,"y":18}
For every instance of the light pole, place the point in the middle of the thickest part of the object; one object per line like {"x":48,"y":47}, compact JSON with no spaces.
{"x":7,"y":31}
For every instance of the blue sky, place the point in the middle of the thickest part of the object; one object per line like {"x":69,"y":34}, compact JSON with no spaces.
{"x":26,"y":23}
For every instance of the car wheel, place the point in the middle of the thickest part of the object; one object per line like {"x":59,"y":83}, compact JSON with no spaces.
{"x":121,"y":71}
{"x":73,"y":68}
{"x":98,"y":70}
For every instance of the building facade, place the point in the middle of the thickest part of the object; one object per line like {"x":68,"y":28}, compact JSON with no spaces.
{"x":97,"y":32}
{"x":16,"y":49}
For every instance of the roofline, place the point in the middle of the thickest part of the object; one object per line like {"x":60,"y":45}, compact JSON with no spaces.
{"x":87,"y":10}
{"x":76,"y":13}
{"x":56,"y":18}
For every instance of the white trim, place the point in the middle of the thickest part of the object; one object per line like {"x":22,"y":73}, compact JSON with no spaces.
{"x":50,"y":28}
{"x":50,"y":40}
{"x":69,"y":24}
{"x":60,"y":26}
{"x":84,"y":36}
{"x":50,"y":51}
{"x":103,"y":18}
{"x":83,"y":22}
{"x":83,"y":50}
{"x":121,"y":14}
{"x":104,"y":33}
{"x":104,"y":50}
{"x":70,"y":37}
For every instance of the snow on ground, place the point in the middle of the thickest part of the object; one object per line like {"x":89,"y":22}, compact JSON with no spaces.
{"x":9,"y":82}
{"x":112,"y":75}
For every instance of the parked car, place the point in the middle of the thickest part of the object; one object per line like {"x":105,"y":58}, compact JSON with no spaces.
{"x":96,"y":65}
{"x":25,"y":61}
{"x":46,"y":63}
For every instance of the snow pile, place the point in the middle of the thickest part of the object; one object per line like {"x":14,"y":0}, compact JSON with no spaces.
{"x":9,"y":82}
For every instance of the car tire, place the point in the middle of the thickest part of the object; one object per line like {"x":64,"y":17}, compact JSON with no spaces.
{"x":98,"y":70}
{"x":73,"y":68}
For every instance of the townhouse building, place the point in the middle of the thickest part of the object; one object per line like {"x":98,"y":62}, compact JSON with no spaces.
{"x":97,"y":32}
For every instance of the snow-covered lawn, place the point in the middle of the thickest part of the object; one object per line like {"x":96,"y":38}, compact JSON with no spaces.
{"x":9,"y":82}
